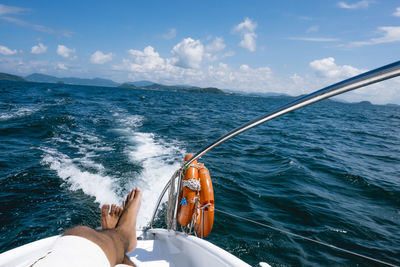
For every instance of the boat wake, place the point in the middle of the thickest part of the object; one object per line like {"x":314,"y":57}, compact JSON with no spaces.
{"x":79,"y":158}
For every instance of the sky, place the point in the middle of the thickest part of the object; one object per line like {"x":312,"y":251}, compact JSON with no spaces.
{"x":292,"y":47}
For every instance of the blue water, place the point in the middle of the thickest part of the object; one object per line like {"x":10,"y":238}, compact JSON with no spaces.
{"x":330,"y":171}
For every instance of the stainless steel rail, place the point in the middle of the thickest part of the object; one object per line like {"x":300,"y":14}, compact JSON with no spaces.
{"x":367,"y":78}
{"x":159,"y":202}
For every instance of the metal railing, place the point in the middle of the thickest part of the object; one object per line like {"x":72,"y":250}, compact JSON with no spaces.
{"x":367,"y":78}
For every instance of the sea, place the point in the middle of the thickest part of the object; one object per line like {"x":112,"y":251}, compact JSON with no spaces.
{"x":329,"y":171}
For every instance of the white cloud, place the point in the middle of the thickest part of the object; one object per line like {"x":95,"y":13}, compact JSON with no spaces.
{"x":6,"y":10}
{"x":390,"y":34}
{"x":357,"y":5}
{"x":39,"y":49}
{"x":149,"y":65}
{"x":314,"y":28}
{"x":7,"y":51}
{"x":145,"y":61}
{"x":170,"y":34}
{"x":247,"y":30}
{"x":216,"y":46}
{"x":188,"y":53}
{"x":64,"y":51}
{"x":61,"y":66}
{"x":327,"y":68}
{"x":397,"y":12}
{"x":245,"y":78}
{"x":99,"y":57}
{"x":246,"y":25}
{"x":313,"y":39}
{"x":215,"y":50}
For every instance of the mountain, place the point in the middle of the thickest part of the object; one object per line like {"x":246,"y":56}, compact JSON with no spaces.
{"x":128,"y":85}
{"x":140,"y":83}
{"x":174,"y":88}
{"x":42,"y":78}
{"x":244,"y":93}
{"x":10,"y":77}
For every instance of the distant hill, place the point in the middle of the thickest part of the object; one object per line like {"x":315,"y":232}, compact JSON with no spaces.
{"x":128,"y":85}
{"x":140,"y":83}
{"x":174,"y":88}
{"x":43,"y":78}
{"x":268,"y":94}
{"x":10,"y":77}
{"x":145,"y":85}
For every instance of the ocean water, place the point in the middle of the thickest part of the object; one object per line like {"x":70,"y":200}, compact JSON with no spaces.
{"x":330,"y":171}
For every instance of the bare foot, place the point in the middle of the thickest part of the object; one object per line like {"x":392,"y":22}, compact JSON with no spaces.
{"x":109,"y":219}
{"x":127,"y":222}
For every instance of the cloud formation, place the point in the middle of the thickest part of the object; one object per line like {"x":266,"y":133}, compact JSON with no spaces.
{"x":188,"y":53}
{"x":357,"y":5}
{"x":64,"y":51}
{"x":38,"y":49}
{"x":216,"y":45}
{"x":311,"y":29}
{"x":61,"y":66}
{"x":327,"y":68}
{"x":8,"y":10}
{"x":148,"y":64}
{"x":144,"y":61}
{"x":170,"y":34}
{"x":390,"y":34}
{"x":4,"y":50}
{"x":397,"y":12}
{"x":99,"y":57}
{"x":247,"y":30}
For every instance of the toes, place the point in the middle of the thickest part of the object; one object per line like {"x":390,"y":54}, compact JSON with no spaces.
{"x":138,"y":192}
{"x":113,"y":207}
{"x":135,"y":193}
{"x":129,"y":196}
{"x":119,"y":211}
{"x":104,"y":209}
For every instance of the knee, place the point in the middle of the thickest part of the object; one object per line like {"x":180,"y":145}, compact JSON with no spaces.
{"x":79,"y":231}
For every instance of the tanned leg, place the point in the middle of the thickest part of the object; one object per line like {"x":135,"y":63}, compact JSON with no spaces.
{"x":120,"y":240}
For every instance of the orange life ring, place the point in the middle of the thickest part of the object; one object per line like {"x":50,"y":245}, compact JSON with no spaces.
{"x":201,"y":214}
{"x":187,"y":198}
{"x":205,"y":212}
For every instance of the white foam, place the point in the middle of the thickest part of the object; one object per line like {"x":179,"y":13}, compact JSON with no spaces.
{"x":159,"y":160}
{"x":94,"y":184}
{"x":133,"y":121}
{"x":18,"y":113}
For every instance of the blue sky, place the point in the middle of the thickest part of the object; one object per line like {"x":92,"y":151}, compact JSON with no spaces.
{"x":291,"y":47}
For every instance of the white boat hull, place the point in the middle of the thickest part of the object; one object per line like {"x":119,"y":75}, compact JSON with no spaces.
{"x":155,"y":247}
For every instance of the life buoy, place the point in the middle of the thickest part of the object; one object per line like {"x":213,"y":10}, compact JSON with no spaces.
{"x":196,"y":202}
{"x":205,"y":212}
{"x":187,"y":199}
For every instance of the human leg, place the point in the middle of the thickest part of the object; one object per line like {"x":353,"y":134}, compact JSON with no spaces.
{"x":120,"y":240}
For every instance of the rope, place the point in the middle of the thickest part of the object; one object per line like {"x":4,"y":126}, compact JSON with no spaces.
{"x":309,"y":239}
{"x":193,"y":184}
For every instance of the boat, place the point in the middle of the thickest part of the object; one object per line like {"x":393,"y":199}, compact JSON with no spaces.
{"x":179,"y":245}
